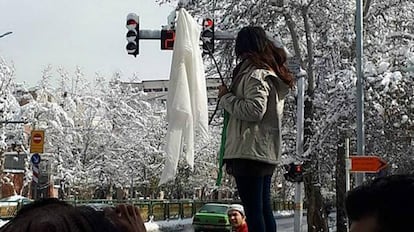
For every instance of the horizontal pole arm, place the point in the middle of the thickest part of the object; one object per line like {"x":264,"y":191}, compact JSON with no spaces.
{"x":156,"y":34}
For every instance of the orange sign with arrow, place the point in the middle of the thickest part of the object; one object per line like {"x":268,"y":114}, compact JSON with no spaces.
{"x":369,"y":164}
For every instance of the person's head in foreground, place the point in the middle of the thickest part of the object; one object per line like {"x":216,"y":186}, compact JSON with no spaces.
{"x":236,"y":215}
{"x":53,"y":215}
{"x":384,"y":205}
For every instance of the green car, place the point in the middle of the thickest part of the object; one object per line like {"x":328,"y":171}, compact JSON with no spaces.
{"x":212,"y":217}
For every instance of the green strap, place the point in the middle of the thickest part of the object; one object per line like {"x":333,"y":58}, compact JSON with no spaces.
{"x":222,"y":146}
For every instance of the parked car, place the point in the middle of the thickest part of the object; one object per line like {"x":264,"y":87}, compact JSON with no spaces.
{"x":212,"y":217}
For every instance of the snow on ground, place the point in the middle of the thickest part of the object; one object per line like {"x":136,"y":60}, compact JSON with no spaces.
{"x":177,"y":224}
{"x":2,"y":222}
{"x":154,"y":226}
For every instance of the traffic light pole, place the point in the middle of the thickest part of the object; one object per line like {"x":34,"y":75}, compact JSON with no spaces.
{"x":299,"y":151}
{"x":297,"y":226}
{"x":12,"y":122}
{"x":360,"y":177}
{"x":156,"y":35}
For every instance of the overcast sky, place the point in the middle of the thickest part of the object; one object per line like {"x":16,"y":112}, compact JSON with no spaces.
{"x":85,"y":33}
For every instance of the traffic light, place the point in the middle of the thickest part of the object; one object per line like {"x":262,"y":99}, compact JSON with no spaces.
{"x":167,"y":39}
{"x":207,"y":36}
{"x":132,"y":36}
{"x":294,"y":172}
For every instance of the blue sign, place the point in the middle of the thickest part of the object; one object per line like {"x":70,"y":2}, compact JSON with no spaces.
{"x":35,"y":158}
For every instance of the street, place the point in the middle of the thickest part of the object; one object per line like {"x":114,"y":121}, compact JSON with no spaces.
{"x":283,"y":225}
{"x":286,"y":224}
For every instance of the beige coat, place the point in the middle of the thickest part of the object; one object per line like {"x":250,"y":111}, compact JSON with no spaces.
{"x":255,"y":105}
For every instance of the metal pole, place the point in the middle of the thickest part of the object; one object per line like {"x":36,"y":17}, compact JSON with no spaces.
{"x":13,"y":122}
{"x":7,"y":33}
{"x":36,"y":176}
{"x":156,"y":34}
{"x":132,"y":185}
{"x":347,"y":166}
{"x":299,"y":151}
{"x":132,"y":188}
{"x":300,"y":115}
{"x":360,"y":87}
{"x":298,"y":207}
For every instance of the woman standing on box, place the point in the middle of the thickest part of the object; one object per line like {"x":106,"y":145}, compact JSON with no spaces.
{"x":254,"y":102}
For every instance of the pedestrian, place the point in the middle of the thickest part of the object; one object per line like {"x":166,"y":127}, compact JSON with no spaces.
{"x":237,"y":218}
{"x":383,"y":205}
{"x":254,"y":102}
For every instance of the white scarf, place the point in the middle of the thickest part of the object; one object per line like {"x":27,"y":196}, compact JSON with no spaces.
{"x":187,"y":96}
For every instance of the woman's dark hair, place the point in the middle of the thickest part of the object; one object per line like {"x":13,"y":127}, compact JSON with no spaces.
{"x":253,"y":44}
{"x":53,"y":215}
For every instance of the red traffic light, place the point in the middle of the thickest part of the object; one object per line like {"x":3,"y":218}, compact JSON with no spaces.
{"x":132,"y":36}
{"x":208,"y":23}
{"x":132,"y":21}
{"x":207,"y":36}
{"x":294,"y":172}
{"x":167,"y":39}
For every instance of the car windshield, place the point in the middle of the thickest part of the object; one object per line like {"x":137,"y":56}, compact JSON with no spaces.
{"x":222,"y":209}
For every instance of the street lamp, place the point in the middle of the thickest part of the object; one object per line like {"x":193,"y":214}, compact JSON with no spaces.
{"x":7,"y":33}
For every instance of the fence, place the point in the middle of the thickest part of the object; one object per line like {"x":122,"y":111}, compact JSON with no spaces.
{"x":159,"y":210}
{"x":8,"y":209}
{"x":156,"y":210}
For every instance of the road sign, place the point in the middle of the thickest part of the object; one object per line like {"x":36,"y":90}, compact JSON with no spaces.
{"x":37,"y":141}
{"x":368,"y":164}
{"x":35,"y":158}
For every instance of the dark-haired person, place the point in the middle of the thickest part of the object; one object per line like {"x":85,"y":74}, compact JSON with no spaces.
{"x":254,"y":102}
{"x":53,"y":215}
{"x":385,"y":204}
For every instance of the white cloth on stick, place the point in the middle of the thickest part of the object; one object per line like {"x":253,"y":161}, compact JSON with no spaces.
{"x":187,"y":96}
